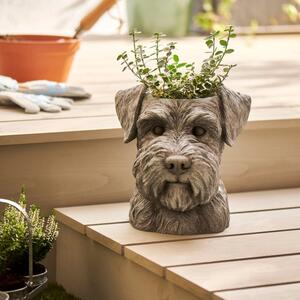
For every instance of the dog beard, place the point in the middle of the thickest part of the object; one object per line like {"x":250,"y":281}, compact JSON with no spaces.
{"x":195,"y":188}
{"x":178,"y":197}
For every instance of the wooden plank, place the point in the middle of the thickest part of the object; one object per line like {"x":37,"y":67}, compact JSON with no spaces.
{"x":88,"y":108}
{"x":68,"y":173}
{"x":121,"y":235}
{"x":283,"y":97}
{"x":78,"y":217}
{"x":275,"y":292}
{"x":214,"y":277}
{"x":262,"y":159}
{"x":74,"y":129}
{"x":116,"y":236}
{"x":264,"y":200}
{"x":14,"y":114}
{"x":258,"y":102}
{"x":157,"y":257}
{"x":274,"y":114}
{"x":107,"y":126}
{"x":118,"y":212}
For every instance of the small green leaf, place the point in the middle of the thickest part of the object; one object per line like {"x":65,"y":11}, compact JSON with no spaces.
{"x":212,"y":62}
{"x":209,"y":43}
{"x":228,"y":51}
{"x":176,"y":58}
{"x":149,"y":77}
{"x":124,"y":69}
{"x":233,"y":35}
{"x":145,"y":71}
{"x":170,"y":67}
{"x":181,"y":65}
{"x":223,"y":43}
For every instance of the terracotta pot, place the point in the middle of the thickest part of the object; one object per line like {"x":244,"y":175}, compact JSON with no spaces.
{"x":33,"y":57}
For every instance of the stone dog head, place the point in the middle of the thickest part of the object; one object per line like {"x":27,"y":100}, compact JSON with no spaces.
{"x":179,"y":143}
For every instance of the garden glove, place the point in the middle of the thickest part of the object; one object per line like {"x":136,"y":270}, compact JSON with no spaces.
{"x":32,"y":104}
{"x":45,"y":95}
{"x":55,"y":89}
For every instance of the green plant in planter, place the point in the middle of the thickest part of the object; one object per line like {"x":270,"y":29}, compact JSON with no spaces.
{"x":181,"y":115}
{"x":14,"y":237}
{"x":162,"y":72}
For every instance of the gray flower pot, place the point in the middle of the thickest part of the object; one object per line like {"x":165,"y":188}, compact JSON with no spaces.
{"x":40,"y":278}
{"x":18,"y":294}
{"x":180,"y":143}
{"x":4,"y":296}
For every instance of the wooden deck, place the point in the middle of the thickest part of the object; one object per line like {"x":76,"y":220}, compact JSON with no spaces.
{"x":66,"y":158}
{"x":77,"y":157}
{"x":268,"y":69}
{"x":257,"y":257}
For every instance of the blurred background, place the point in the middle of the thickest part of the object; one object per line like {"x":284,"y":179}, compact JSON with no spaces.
{"x":173,"y":17}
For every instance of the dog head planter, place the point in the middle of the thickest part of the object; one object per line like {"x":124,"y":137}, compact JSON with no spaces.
{"x":179,"y":147}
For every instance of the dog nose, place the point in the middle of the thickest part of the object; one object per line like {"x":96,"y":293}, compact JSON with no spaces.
{"x":178,"y":164}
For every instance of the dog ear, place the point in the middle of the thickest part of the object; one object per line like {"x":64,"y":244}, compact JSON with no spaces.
{"x":128,"y":106}
{"x":235,"y":109}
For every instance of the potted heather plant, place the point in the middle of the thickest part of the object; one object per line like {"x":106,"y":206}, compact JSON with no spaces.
{"x":182,"y":115}
{"x":14,"y":246}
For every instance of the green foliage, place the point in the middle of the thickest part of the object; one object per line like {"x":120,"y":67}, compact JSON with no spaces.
{"x":214,"y":18}
{"x":166,"y":76}
{"x":55,"y":292}
{"x":292,"y":10}
{"x":14,"y":236}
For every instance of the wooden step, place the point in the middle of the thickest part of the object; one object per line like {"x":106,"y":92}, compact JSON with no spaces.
{"x":274,"y":292}
{"x":257,"y":256}
{"x":157,"y":257}
{"x":79,"y":217}
{"x":252,"y":273}
{"x":117,"y":236}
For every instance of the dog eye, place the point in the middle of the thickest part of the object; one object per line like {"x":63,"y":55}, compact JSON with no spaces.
{"x":158,"y":130}
{"x":198,"y":131}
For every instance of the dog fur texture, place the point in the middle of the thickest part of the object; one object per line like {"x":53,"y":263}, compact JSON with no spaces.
{"x":178,"y":186}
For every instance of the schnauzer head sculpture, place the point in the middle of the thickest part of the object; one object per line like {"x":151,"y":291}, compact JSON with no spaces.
{"x":179,"y":147}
